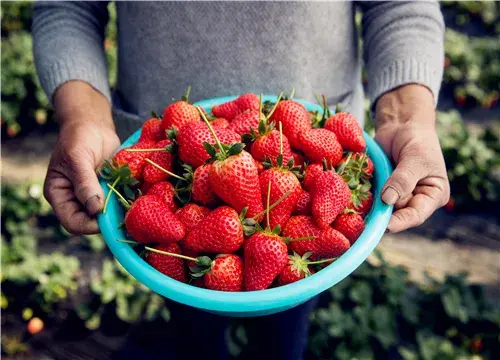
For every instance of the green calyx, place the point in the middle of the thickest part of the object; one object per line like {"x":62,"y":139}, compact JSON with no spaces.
{"x":225,"y":151}
{"x":155,"y":115}
{"x":300,"y":264}
{"x":120,"y":181}
{"x":360,"y":193}
{"x":318,"y":118}
{"x":263,"y":129}
{"x":353,"y":170}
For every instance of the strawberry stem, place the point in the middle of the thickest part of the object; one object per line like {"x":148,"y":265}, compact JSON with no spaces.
{"x":186,"y":95}
{"x":170,"y":254}
{"x":281,"y":138}
{"x":124,"y":201}
{"x":260,"y":105}
{"x":285,"y":195}
{"x":146,"y":150}
{"x":128,"y":241}
{"x":301,"y":238}
{"x":267,"y":204}
{"x":275,"y":106}
{"x":164,"y":170}
{"x":219,"y":145}
{"x":320,"y":261}
{"x":109,"y":195}
{"x":292,"y":93}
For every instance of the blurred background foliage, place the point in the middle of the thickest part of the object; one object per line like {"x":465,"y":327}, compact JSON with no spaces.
{"x":376,"y":313}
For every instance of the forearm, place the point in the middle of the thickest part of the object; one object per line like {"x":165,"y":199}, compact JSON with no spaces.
{"x":76,"y":102}
{"x":405,"y":104}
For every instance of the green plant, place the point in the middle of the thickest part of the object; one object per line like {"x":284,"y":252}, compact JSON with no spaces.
{"x":472,"y":159}
{"x":116,"y":288}
{"x":487,"y":12}
{"x":377,"y":311}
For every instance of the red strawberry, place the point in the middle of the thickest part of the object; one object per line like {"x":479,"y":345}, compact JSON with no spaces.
{"x":295,"y":120}
{"x":296,"y":269}
{"x":149,"y":220}
{"x":235,"y":179}
{"x":220,"y":231}
{"x":319,"y":144}
{"x":348,"y":131}
{"x":265,"y":257}
{"x":329,"y":243}
{"x":298,"y":159}
{"x":191,"y":138}
{"x":361,"y":200}
{"x":267,"y":145}
{"x":350,"y":224}
{"x":179,"y":114}
{"x":304,"y":204}
{"x":189,"y":253}
{"x":163,"y":158}
{"x":201,"y":190}
{"x":191,"y":215}
{"x":312,"y":172}
{"x":260,"y":167}
{"x":243,"y":122}
{"x":225,"y":274}
{"x":248,"y":102}
{"x":330,"y":197}
{"x":220,"y":122}
{"x":152,"y":131}
{"x":166,"y":192}
{"x":227,"y":110}
{"x":134,"y":160}
{"x":168,"y":265}
{"x":282,"y":181}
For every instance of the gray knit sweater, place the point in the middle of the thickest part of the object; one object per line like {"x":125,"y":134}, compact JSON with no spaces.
{"x":227,"y":48}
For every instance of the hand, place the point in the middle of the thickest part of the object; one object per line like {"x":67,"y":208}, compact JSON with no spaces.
{"x":86,"y":137}
{"x":405,"y":121}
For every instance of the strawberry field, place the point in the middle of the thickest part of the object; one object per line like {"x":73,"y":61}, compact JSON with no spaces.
{"x":66,"y":297}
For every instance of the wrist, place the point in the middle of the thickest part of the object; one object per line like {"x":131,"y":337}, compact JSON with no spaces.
{"x":410,"y":104}
{"x":76,"y":102}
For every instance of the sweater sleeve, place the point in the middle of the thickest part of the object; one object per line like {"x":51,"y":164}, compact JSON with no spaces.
{"x":402,"y":44}
{"x":68,"y":44}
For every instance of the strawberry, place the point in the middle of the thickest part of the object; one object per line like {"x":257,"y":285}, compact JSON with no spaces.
{"x":296,"y":269}
{"x":304,"y":204}
{"x":189,"y":253}
{"x":328,"y":242}
{"x":311,"y":173}
{"x":180,"y":113}
{"x":230,"y":109}
{"x":149,"y":220}
{"x":245,"y":121}
{"x":350,"y":224}
{"x":330,"y":197}
{"x":225,"y":274}
{"x":166,"y":192}
{"x":153,"y":174}
{"x":235,"y":179}
{"x":221,"y":231}
{"x":201,"y":189}
{"x":260,"y":167}
{"x":191,"y":215}
{"x":361,"y":199}
{"x":152,"y":131}
{"x":266,"y":255}
{"x":348,"y":131}
{"x":227,"y":110}
{"x":134,"y":160}
{"x":319,"y":144}
{"x":191,"y":138}
{"x":248,"y":102}
{"x":168,"y":265}
{"x":355,"y":167}
{"x":298,"y":159}
{"x":220,"y":122}
{"x":274,"y":184}
{"x":295,"y":120}
{"x":267,"y":144}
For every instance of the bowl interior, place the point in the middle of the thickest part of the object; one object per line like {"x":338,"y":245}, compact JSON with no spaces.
{"x":256,"y":302}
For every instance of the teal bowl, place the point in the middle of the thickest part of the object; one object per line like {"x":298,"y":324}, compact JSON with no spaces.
{"x":254,"y":303}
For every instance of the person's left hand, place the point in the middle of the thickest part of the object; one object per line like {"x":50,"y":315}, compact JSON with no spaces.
{"x":405,"y":121}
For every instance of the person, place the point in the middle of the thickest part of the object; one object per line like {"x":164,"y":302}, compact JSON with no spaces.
{"x":227,"y":48}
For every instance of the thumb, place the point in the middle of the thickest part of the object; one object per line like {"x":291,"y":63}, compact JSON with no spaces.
{"x":403,"y":180}
{"x":86,"y":185}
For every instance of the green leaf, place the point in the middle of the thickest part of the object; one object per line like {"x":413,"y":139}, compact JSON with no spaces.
{"x":452,"y":303}
{"x":236,"y":148}
{"x":361,"y":293}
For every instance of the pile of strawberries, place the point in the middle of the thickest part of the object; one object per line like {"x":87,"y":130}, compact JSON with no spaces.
{"x":250,"y":196}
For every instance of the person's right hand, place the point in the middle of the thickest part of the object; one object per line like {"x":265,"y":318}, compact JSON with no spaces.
{"x":86,"y":138}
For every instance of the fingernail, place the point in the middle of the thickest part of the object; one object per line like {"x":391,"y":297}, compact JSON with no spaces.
{"x":93,"y":205}
{"x":390,"y":196}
